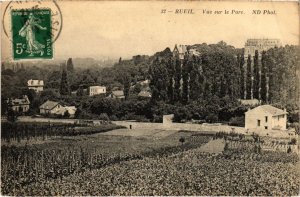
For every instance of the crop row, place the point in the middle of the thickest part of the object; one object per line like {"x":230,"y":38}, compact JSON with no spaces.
{"x":186,"y":173}
{"x":21,"y":131}
{"x":21,"y":166}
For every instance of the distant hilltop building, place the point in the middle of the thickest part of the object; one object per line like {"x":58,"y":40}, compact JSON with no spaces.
{"x":260,"y":45}
{"x":36,"y":85}
{"x":182,"y":50}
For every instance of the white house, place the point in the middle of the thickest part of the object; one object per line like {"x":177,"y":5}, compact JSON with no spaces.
{"x":94,"y":90}
{"x":266,"y":117}
{"x":117,"y":94}
{"x":55,"y":108}
{"x":71,"y":110}
{"x":36,"y":85}
{"x":20,"y":105}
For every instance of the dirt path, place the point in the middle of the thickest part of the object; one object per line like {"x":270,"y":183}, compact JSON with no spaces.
{"x":213,"y":146}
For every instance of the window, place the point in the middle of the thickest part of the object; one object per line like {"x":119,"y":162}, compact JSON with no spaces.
{"x":258,"y":123}
{"x":266,"y":127}
{"x":266,"y":118}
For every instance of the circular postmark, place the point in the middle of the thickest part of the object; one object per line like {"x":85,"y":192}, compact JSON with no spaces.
{"x":33,"y":8}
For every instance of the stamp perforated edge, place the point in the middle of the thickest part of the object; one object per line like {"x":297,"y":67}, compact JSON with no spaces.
{"x":11,"y":41}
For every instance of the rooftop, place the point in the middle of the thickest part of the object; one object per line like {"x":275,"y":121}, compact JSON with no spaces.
{"x":20,"y":101}
{"x":272,"y":110}
{"x":49,"y":105}
{"x":118,"y":93}
{"x":32,"y":82}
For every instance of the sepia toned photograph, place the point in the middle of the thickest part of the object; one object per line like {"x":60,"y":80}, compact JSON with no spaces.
{"x":150,"y":98}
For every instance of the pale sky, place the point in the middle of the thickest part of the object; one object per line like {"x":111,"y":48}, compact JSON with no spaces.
{"x":123,"y":29}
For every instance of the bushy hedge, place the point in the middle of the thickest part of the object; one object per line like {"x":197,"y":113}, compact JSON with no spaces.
{"x":237,"y":121}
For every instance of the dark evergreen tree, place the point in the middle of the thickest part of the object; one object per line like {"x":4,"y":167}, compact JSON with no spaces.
{"x":126,"y":83}
{"x":263,"y":77}
{"x":242,"y":79}
{"x":186,"y":79}
{"x":249,"y":78}
{"x":171,"y":73}
{"x":70,"y":66}
{"x":207,"y":91}
{"x":223,"y":87}
{"x":12,"y":116}
{"x":64,"y":85}
{"x":177,"y":78}
{"x":256,"y":81}
{"x":196,"y":79}
{"x":159,"y":80}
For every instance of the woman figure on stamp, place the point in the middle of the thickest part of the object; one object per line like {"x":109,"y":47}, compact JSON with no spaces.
{"x":28,"y":31}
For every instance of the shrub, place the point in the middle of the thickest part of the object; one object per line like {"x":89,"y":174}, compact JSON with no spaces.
{"x":289,"y":150}
{"x":293,"y":141}
{"x":113,"y":118}
{"x":66,"y":114}
{"x":296,"y":126}
{"x":104,"y":116}
{"x":182,"y":140}
{"x":226,"y":147}
{"x":211,"y":118}
{"x":237,"y":121}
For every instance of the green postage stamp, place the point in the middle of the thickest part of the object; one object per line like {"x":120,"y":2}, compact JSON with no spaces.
{"x":31,"y":34}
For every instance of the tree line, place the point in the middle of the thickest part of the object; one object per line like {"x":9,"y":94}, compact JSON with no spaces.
{"x":195,"y":87}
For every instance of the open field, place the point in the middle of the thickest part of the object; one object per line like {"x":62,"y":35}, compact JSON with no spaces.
{"x":211,"y":128}
{"x":145,"y":162}
{"x":58,"y":157}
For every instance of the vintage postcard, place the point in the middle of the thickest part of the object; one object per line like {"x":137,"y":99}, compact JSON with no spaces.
{"x":150,"y":98}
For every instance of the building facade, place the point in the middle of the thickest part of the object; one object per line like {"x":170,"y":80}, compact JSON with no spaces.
{"x":266,"y":117}
{"x":62,"y":111}
{"x":19,"y":105}
{"x":260,"y":45}
{"x":55,"y":108}
{"x":182,"y":50}
{"x":118,"y":94}
{"x":95,"y":90}
{"x":50,"y":107}
{"x":36,"y":85}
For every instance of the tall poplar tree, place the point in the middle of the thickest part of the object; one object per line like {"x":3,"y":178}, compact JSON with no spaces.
{"x":64,"y":85}
{"x":242,"y":71}
{"x":126,"y":83}
{"x":249,"y":78}
{"x":186,"y":79}
{"x":171,"y":73}
{"x":177,"y":78}
{"x":263,"y":77}
{"x":196,"y":79}
{"x":70,"y":66}
{"x":256,"y":81}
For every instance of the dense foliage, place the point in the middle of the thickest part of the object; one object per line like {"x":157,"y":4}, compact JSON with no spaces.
{"x":196,"y":87}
